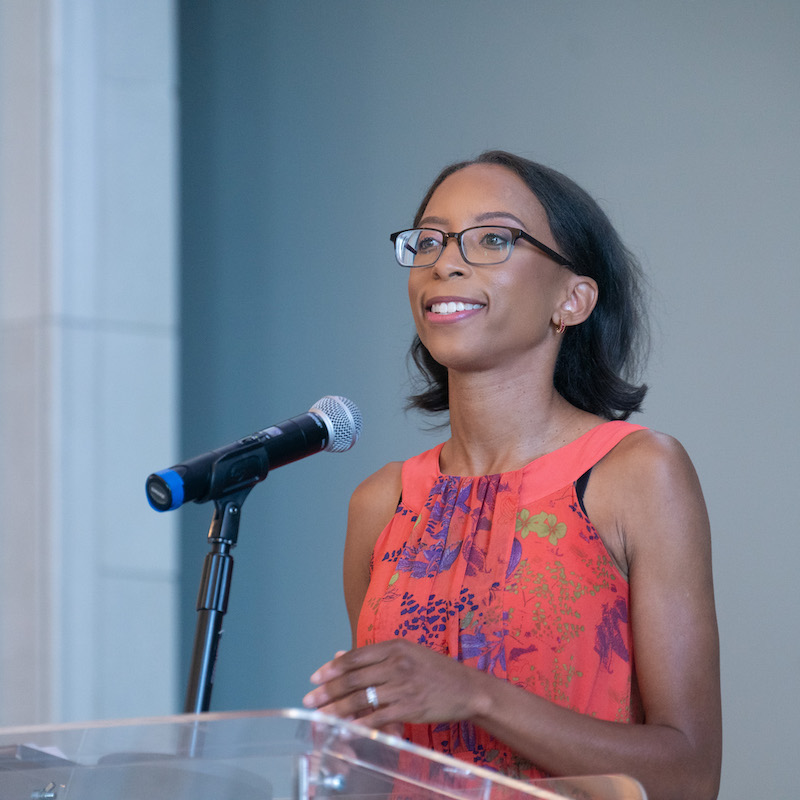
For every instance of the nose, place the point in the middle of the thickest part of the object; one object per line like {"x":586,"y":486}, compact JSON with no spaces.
{"x":450,"y":263}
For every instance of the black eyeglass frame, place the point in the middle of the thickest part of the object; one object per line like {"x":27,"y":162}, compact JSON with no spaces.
{"x":516,"y":233}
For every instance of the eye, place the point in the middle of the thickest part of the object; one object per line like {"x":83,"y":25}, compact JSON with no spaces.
{"x":495,"y":239}
{"x":428,"y":241}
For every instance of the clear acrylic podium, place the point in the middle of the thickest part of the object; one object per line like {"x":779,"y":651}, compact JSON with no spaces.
{"x":271,"y":755}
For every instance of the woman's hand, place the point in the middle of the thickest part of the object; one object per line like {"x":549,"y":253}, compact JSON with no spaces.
{"x":408,"y":683}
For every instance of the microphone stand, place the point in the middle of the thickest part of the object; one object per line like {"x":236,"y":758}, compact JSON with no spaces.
{"x":212,"y":599}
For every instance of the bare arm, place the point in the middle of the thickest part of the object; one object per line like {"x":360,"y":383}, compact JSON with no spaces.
{"x":647,"y":498}
{"x":371,"y":508}
{"x":646,"y":502}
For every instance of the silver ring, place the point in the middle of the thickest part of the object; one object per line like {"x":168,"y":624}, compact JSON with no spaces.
{"x":372,"y":696}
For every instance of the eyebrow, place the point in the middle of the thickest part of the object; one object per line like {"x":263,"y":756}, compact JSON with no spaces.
{"x":483,"y":217}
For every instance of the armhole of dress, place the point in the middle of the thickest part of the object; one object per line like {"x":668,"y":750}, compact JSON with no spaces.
{"x":580,"y":489}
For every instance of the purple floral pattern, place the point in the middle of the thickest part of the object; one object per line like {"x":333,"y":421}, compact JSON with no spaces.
{"x":511,"y":582}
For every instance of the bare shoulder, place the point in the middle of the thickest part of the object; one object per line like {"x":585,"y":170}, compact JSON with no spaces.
{"x":372,"y":507}
{"x":649,"y":450}
{"x":644,"y":485}
{"x":379,"y":493}
{"x":648,"y":464}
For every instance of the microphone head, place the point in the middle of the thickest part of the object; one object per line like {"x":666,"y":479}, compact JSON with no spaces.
{"x":343,"y":420}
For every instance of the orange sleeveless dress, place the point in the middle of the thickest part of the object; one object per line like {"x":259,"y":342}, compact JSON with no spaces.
{"x":506,"y":573}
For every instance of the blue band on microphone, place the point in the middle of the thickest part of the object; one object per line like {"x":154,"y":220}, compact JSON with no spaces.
{"x":174,"y":483}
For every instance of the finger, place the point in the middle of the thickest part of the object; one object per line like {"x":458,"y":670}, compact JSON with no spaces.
{"x":344,"y":680}
{"x":383,"y":716}
{"x":351,"y":706}
{"x":330,"y":669}
{"x":347,"y":689}
{"x":357,"y":704}
{"x":347,"y":663}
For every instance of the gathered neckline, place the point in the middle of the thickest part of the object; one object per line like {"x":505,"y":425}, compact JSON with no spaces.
{"x":559,"y":452}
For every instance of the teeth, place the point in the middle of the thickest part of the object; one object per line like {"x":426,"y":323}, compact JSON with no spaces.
{"x":452,"y":308}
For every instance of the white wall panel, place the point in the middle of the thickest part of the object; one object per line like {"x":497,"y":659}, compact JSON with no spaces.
{"x":88,"y":376}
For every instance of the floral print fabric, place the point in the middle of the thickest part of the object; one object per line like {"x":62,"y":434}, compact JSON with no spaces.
{"x":506,"y":573}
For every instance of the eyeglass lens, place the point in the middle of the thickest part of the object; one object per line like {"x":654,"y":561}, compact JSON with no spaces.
{"x":480,"y":245}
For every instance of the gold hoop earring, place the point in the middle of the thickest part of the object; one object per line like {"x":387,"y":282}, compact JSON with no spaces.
{"x":561,"y":326}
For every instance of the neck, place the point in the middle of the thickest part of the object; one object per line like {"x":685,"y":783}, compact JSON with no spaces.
{"x":498,"y":425}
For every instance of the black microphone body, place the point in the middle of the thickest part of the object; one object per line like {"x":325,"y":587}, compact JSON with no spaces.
{"x":333,"y":423}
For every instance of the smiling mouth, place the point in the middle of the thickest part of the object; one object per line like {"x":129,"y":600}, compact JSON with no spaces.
{"x":453,"y":308}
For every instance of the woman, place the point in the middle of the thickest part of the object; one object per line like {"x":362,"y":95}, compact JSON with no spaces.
{"x":535,"y":594}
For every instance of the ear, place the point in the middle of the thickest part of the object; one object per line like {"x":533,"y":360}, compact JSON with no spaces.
{"x":579,"y":301}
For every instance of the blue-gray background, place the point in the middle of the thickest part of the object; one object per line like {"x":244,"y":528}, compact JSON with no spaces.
{"x":304,"y":121}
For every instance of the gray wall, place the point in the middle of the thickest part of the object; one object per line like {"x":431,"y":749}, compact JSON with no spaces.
{"x":304,"y":119}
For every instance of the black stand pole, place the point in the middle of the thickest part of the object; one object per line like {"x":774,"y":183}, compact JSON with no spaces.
{"x":212,"y":599}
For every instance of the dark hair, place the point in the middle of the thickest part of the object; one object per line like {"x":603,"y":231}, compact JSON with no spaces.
{"x":600,"y":358}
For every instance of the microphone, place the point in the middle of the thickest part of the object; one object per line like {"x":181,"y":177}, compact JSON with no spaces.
{"x":332,"y":423}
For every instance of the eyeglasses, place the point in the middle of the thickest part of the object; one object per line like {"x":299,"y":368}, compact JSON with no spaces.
{"x":480,"y":246}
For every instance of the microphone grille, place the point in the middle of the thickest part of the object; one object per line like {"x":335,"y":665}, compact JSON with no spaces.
{"x":343,"y":418}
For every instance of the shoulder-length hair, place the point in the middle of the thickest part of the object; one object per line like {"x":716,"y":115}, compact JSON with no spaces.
{"x":599,"y":360}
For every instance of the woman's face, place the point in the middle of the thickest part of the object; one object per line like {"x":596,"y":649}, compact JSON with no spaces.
{"x":482,"y":317}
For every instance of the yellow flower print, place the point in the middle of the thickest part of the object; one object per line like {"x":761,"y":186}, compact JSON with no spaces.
{"x":542,"y":524}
